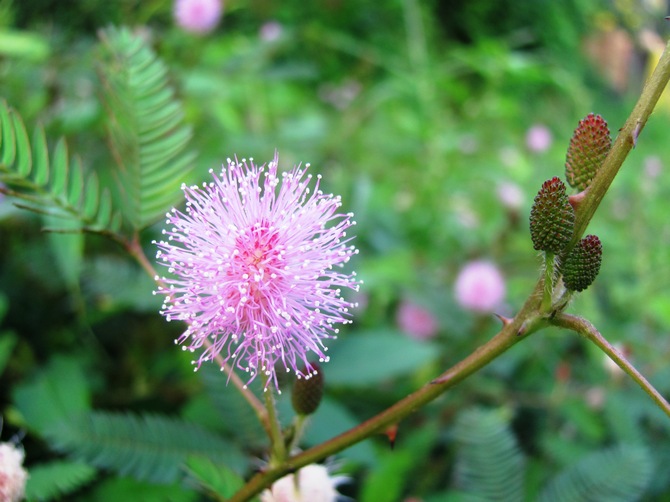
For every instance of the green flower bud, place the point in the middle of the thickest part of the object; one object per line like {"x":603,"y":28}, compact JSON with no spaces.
{"x":552,"y":218}
{"x":308,"y":391}
{"x":583,"y":264}
{"x":589,"y":145}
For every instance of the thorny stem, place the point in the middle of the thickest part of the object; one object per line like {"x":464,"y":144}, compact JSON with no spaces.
{"x":525,"y":322}
{"x":587,"y":330}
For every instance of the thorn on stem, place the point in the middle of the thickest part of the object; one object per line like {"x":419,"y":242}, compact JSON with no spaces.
{"x":391,"y":432}
{"x":504,"y":320}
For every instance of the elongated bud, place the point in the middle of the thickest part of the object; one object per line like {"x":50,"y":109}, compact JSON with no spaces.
{"x":589,"y":145}
{"x":552,"y":218}
{"x":583,"y":264}
{"x":308,"y":391}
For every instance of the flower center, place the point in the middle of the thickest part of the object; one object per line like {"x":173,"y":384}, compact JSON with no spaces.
{"x":258,"y":264}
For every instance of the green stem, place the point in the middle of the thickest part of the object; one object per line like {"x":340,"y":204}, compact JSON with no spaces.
{"x":134,"y":248}
{"x":623,"y":144}
{"x":276,"y":437}
{"x":505,"y":339}
{"x":548,"y":281}
{"x":587,"y":330}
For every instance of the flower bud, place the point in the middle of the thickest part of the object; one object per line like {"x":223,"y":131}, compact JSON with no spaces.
{"x":583,"y":264}
{"x":589,"y":145}
{"x":552,"y":218}
{"x":308,"y":391}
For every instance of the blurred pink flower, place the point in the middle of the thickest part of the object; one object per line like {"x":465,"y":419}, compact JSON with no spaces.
{"x":270,"y":31}
{"x":480,"y":287}
{"x":510,"y":195}
{"x":539,"y":138}
{"x":198,"y":16}
{"x":255,"y":268}
{"x":313,"y":484}
{"x":416,"y":321}
{"x":12,"y":474}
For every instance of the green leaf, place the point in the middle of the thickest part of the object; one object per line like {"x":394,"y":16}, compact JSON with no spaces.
{"x":127,"y":489}
{"x":617,"y":474}
{"x":55,"y":186}
{"x":146,"y":131}
{"x":377,"y":356}
{"x":489,"y":462}
{"x":60,"y":392}
{"x":214,"y":478}
{"x":7,"y":343}
{"x":146,"y":447}
{"x":57,"y":479}
{"x":387,"y":480}
{"x":67,"y":248}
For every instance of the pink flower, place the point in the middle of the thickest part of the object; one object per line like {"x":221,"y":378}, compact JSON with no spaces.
{"x":510,"y":195}
{"x":539,"y":138}
{"x":271,"y":31}
{"x":256,"y":262}
{"x":198,"y":16}
{"x":480,"y":287}
{"x":416,"y":321}
{"x":12,"y":474}
{"x":313,"y":484}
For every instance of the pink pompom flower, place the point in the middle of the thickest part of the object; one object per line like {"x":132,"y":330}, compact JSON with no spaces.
{"x":480,"y":287}
{"x":539,"y":138}
{"x":198,"y":16}
{"x":256,"y":263}
{"x":416,"y":321}
{"x":13,"y":476}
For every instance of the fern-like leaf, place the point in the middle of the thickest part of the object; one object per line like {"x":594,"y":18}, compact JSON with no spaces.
{"x":489,"y":464}
{"x":50,"y":182}
{"x":56,"y":479}
{"x":616,"y":474}
{"x":148,"y":447}
{"x":146,"y":130}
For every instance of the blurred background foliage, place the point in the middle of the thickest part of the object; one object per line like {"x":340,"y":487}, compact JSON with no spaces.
{"x":423,"y":116}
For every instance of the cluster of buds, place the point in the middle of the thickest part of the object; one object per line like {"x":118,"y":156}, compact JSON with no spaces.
{"x":552,"y":217}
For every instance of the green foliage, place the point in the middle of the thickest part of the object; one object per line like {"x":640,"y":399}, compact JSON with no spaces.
{"x":489,"y":464}
{"x":56,"y":479}
{"x":115,"y":489}
{"x":617,"y":474}
{"x":58,"y":186}
{"x":148,"y":139}
{"x":57,"y":394}
{"x":147,"y":447}
{"x":214,"y":478}
{"x":397,"y":465}
{"x":394,"y":355}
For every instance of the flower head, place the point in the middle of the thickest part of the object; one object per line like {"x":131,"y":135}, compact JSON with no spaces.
{"x":539,"y":138}
{"x":256,"y":268}
{"x":313,"y":484}
{"x":198,"y":16}
{"x":480,"y":287}
{"x":12,"y":474}
{"x":416,"y":321}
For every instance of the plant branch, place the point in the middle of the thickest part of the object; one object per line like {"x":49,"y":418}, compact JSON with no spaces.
{"x":486,"y":353}
{"x":588,"y":331}
{"x":134,"y":248}
{"x":527,"y":321}
{"x":625,"y":141}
